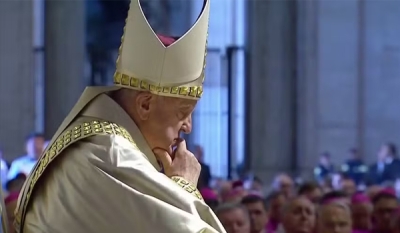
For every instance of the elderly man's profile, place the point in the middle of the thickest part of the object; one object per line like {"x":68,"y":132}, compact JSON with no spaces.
{"x":118,"y":163}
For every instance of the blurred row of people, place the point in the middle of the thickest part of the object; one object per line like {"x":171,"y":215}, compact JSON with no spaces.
{"x":386,"y":170}
{"x":35,"y":144}
{"x":303,"y":208}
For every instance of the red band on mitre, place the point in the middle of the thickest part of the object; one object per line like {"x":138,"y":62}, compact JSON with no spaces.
{"x":166,"y":40}
{"x":11,"y":197}
{"x":360,"y":198}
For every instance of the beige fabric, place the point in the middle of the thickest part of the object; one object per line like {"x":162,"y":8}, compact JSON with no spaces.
{"x":88,"y":95}
{"x":144,"y":56}
{"x":104,"y":184}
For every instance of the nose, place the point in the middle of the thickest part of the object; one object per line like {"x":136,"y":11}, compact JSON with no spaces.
{"x":187,"y":125}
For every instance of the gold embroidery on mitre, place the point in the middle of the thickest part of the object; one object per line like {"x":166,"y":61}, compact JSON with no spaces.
{"x":67,"y":138}
{"x":127,"y":81}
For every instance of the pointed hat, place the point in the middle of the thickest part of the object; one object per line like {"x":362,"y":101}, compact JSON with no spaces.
{"x":146,"y":63}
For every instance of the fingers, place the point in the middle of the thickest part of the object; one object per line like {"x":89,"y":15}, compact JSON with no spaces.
{"x":181,"y":145}
{"x":163,"y":157}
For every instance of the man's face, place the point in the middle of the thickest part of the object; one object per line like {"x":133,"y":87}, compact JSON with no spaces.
{"x":383,"y":212}
{"x":276,"y":206}
{"x":348,"y":186}
{"x":256,"y":186}
{"x":383,"y":152}
{"x":166,"y":118}
{"x":286,"y":185}
{"x":315,"y":195}
{"x":235,"y":221}
{"x":334,"y":219}
{"x":299,"y":217}
{"x":258,"y":216}
{"x":361,"y":215}
{"x":34,"y":146}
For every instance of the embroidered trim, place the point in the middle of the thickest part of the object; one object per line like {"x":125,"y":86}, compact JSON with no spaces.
{"x":67,"y":138}
{"x":187,"y":186}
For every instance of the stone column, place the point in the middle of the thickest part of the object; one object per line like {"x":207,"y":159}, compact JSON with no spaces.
{"x":307,"y":76}
{"x":381,"y":76}
{"x":270,"y":86}
{"x":328,"y":48}
{"x":65,"y":59}
{"x":17,"y":85}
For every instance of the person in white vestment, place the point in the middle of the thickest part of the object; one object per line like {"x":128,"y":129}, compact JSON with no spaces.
{"x":118,"y":163}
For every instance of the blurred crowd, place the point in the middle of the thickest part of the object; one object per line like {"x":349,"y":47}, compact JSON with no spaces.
{"x":352,"y":197}
{"x":305,"y":208}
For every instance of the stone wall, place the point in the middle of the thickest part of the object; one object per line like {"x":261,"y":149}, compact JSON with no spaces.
{"x":346,"y":81}
{"x":64,"y":72}
{"x":17,"y":85}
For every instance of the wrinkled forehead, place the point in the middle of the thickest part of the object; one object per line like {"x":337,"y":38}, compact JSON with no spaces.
{"x":302,"y":202}
{"x":334,"y":211}
{"x":232,"y":213}
{"x":177,"y":101}
{"x":187,"y":103}
{"x":298,"y":203}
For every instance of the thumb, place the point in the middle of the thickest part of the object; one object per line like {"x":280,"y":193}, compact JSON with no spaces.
{"x":181,"y":146}
{"x":163,"y":157}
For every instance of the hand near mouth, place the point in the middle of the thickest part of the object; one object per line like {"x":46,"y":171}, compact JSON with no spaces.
{"x":180,"y":163}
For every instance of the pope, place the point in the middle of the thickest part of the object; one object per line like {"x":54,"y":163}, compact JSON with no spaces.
{"x":117,"y":163}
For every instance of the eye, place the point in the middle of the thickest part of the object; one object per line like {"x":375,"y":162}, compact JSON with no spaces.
{"x":184,"y":112}
{"x":180,"y":115}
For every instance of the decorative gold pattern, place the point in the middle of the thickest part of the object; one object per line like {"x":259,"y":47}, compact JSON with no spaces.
{"x":187,"y":186}
{"x":67,"y":138}
{"x":124,"y":80}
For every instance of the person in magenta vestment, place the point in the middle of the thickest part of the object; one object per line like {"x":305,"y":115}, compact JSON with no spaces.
{"x":361,"y":208}
{"x":385,"y":205}
{"x":275,"y":202}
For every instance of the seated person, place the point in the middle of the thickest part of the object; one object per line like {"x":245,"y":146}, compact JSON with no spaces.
{"x":361,"y":208}
{"x":257,"y":209}
{"x":234,"y":217}
{"x":385,"y":205}
{"x":310,"y":190}
{"x":335,"y":196}
{"x":334,"y":217}
{"x":298,"y":216}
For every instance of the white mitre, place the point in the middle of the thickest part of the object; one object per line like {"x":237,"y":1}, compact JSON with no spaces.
{"x":145,"y":63}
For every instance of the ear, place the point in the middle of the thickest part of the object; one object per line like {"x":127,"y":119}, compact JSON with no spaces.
{"x":143,"y":103}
